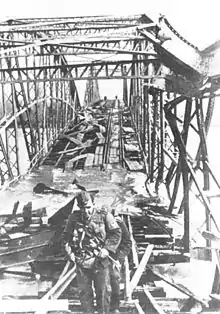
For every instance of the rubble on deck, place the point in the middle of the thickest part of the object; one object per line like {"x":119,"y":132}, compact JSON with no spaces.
{"x":123,"y":189}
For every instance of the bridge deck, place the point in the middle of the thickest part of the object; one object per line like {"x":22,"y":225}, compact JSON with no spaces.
{"x":103,"y":155}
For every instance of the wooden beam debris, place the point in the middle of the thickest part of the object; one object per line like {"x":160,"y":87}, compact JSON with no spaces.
{"x":153,"y":302}
{"x":181,"y":288}
{"x":61,"y":284}
{"x":134,"y":246}
{"x":141,"y":267}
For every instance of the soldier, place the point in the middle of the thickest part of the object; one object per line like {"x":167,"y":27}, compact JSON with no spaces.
{"x":122,"y":251}
{"x":91,"y":236}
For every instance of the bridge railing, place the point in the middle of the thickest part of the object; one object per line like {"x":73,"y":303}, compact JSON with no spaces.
{"x":49,"y":117}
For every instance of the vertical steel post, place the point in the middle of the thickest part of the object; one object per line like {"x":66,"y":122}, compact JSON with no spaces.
{"x":125,"y":87}
{"x":204,"y":157}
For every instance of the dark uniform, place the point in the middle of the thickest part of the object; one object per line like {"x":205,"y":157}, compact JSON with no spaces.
{"x":122,"y":251}
{"x":86,"y":236}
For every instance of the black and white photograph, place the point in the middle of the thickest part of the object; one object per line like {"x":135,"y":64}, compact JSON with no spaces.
{"x":109,"y":157}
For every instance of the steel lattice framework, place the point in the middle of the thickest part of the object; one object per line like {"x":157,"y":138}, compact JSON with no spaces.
{"x":41,"y":59}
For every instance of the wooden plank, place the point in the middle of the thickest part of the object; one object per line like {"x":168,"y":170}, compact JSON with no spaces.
{"x":89,"y":160}
{"x":153,"y":302}
{"x":70,"y":162}
{"x":128,"y":129}
{"x":157,"y":236}
{"x":98,"y":150}
{"x":127,"y":276}
{"x":131,"y":147}
{"x":100,"y":156}
{"x":141,"y":267}
{"x":24,"y":249}
{"x":133,"y":165}
{"x":181,"y":288}
{"x":139,"y":308}
{"x":100,"y":136}
{"x":134,"y":246}
{"x":61,"y":156}
{"x":101,"y":141}
{"x":95,"y":161}
{"x":60,"y":285}
{"x":96,"y":157}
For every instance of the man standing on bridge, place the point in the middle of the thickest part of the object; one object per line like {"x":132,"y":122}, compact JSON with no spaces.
{"x":91,"y":236}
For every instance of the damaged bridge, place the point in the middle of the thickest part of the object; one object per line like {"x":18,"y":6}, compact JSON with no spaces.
{"x":143,"y":149}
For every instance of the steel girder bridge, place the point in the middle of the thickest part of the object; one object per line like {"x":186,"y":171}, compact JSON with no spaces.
{"x":41,"y":61}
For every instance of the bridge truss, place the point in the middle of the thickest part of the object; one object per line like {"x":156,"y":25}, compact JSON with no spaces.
{"x":41,"y":61}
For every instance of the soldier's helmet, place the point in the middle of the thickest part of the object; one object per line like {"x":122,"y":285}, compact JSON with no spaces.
{"x":83,"y":200}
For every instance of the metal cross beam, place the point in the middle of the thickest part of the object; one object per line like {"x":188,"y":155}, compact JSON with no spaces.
{"x":92,"y":20}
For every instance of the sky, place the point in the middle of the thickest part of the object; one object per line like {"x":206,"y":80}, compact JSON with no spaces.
{"x":197,"y":20}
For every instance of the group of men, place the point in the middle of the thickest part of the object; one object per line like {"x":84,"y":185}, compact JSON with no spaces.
{"x":97,"y":241}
